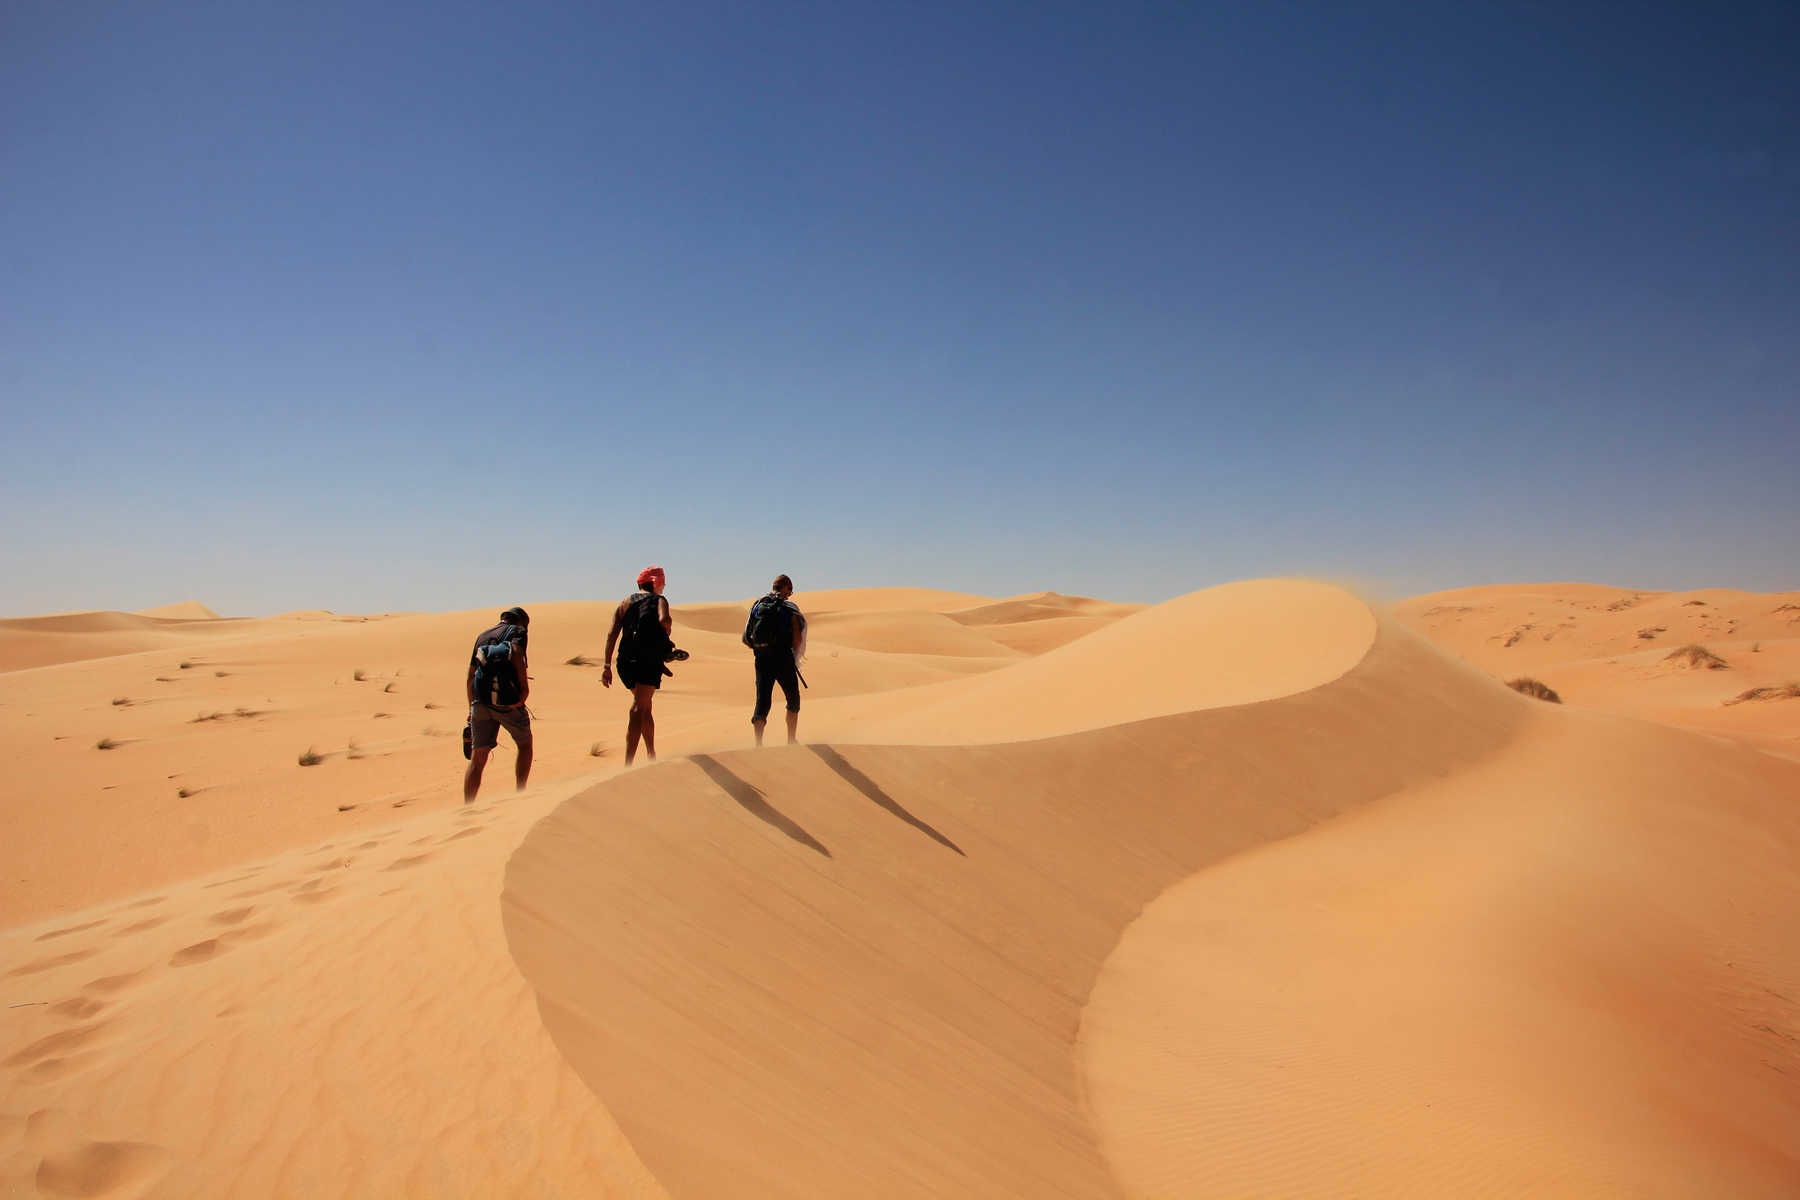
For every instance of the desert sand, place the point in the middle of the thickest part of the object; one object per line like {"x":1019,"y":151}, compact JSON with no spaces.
{"x":1258,"y":891}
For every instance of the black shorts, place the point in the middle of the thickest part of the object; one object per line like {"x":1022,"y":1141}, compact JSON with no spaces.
{"x":638,"y":674}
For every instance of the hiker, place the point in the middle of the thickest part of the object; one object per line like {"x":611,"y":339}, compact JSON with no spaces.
{"x":641,"y":627}
{"x":776,"y":634}
{"x":498,"y":684}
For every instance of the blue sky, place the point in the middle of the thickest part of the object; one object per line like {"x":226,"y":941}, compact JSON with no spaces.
{"x":431,"y":306}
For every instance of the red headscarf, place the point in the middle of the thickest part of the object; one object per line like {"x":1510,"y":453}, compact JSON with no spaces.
{"x":651,"y":575}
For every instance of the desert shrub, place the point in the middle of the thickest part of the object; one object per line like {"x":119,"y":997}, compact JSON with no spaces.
{"x":309,"y":759}
{"x":1533,"y":688}
{"x":359,"y":674}
{"x":121,"y":701}
{"x":1785,"y":691}
{"x":1695,"y":656}
{"x":105,"y":744}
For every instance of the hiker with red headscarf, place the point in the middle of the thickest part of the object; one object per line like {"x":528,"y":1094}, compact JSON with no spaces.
{"x":641,"y":628}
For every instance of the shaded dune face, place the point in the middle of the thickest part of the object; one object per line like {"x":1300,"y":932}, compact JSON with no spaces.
{"x":853,"y":969}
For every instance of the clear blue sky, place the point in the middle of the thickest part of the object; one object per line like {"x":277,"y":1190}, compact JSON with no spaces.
{"x":427,"y":306}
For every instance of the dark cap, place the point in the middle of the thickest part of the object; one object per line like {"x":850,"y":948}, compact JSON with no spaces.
{"x":517,"y":616}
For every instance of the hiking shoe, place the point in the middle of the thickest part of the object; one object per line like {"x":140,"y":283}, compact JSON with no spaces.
{"x":677,"y":656}
{"x":468,"y":742}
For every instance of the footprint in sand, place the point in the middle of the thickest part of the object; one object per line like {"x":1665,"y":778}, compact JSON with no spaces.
{"x":78,"y":1008}
{"x":93,"y":1169}
{"x":56,"y":1045}
{"x":146,"y":903}
{"x":412,"y":860}
{"x":56,"y":933}
{"x":264,"y":890}
{"x":233,"y":916}
{"x":459,"y":836}
{"x":46,"y":964}
{"x":112,"y":985}
{"x":141,"y":926}
{"x":199,"y":952}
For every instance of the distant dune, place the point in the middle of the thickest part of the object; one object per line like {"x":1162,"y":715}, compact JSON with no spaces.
{"x":191,"y":610}
{"x":1609,"y":648}
{"x":1253,"y":892}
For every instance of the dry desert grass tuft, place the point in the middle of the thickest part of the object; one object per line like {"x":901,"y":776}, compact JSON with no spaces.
{"x":1695,"y":656}
{"x":1531,"y":687}
{"x":1785,"y":691}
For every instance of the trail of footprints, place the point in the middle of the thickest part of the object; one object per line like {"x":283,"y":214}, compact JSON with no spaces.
{"x":251,"y":914}
{"x":46,"y":1139}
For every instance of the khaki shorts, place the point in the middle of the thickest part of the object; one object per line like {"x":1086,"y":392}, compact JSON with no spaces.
{"x":485,"y":723}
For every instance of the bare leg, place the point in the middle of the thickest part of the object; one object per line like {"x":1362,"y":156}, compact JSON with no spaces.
{"x":472,"y":776}
{"x":522,"y":771}
{"x":646,"y":696}
{"x":634,"y":727}
{"x":758,"y":726}
{"x":793,"y":726}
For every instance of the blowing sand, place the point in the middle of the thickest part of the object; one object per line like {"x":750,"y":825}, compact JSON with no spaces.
{"x":1255,"y":892}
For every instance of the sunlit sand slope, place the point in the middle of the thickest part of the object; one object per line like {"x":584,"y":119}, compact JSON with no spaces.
{"x":1234,"y":644}
{"x":1569,"y":970}
{"x":849,"y":970}
{"x":72,"y":637}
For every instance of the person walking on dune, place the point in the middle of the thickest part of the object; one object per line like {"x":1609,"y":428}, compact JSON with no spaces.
{"x":776,"y":635}
{"x":498,"y":684}
{"x":642,"y":629}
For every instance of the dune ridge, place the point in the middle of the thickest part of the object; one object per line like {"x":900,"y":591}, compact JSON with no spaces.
{"x":834,"y":969}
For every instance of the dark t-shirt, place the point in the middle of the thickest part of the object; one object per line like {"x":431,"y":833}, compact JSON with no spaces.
{"x":502,"y":632}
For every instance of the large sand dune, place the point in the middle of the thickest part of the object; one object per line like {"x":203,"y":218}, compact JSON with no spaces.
{"x":1255,"y":892}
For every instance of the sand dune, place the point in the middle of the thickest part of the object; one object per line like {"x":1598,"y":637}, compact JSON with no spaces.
{"x":1252,"y":892}
{"x":1608,"y":648}
{"x":188,"y":610}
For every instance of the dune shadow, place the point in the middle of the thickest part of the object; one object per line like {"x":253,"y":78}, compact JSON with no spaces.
{"x":872,"y":790}
{"x":751,"y":797}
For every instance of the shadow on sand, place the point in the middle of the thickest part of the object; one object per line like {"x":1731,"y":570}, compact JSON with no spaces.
{"x":751,"y":797}
{"x":872,"y":790}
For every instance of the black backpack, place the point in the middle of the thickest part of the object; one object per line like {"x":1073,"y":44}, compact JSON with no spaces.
{"x":641,"y":636}
{"x":496,"y":675}
{"x":771,"y":624}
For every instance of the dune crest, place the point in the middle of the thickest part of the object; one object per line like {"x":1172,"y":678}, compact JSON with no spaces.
{"x":1239,"y":643}
{"x":837,"y":969}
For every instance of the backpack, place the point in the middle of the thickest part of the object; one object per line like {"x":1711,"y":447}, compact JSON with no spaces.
{"x":641,"y":636}
{"x":771,"y":624}
{"x":496,"y":676}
